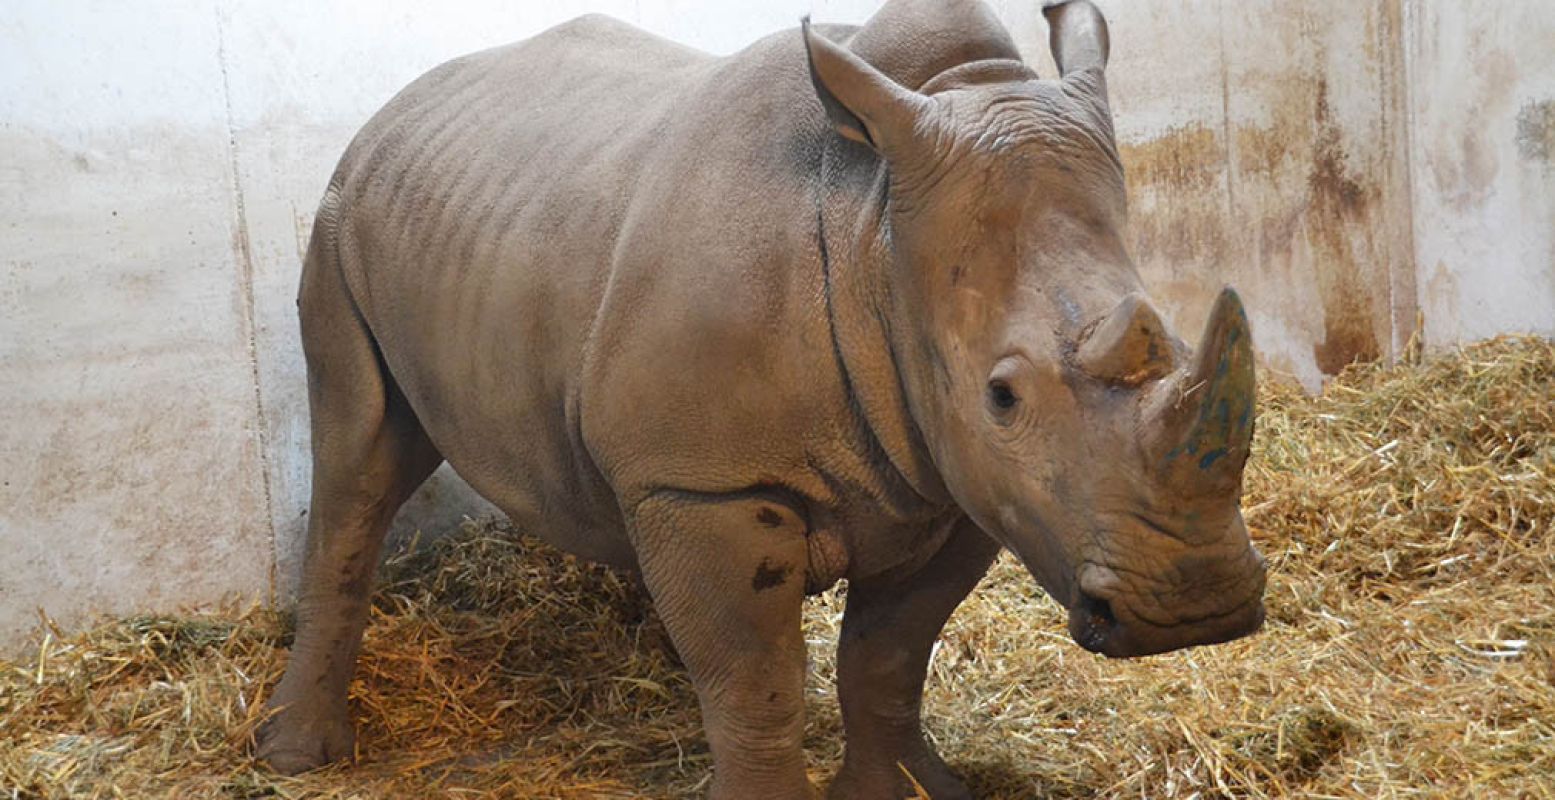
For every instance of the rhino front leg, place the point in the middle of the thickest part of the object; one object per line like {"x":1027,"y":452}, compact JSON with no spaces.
{"x":888,"y":632}
{"x":727,"y":575}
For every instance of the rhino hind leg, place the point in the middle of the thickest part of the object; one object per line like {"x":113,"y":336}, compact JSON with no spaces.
{"x":888,"y":634}
{"x":727,"y":576}
{"x":369,"y":454}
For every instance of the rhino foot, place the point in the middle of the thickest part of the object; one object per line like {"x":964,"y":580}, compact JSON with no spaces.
{"x":888,"y":783}
{"x":299,"y":738}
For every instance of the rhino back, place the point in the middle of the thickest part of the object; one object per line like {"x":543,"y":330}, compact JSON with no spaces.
{"x":591,"y":257}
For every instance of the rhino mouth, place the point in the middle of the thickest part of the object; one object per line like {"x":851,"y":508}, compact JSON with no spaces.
{"x":1106,"y":626}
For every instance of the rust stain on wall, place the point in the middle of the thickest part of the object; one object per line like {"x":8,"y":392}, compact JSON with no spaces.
{"x":1186,"y":157}
{"x":1292,"y":207}
{"x":1339,"y":210}
{"x":1174,"y":181}
{"x":1263,"y":151}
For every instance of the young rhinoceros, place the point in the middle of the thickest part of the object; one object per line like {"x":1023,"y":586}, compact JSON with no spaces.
{"x":850,"y":303}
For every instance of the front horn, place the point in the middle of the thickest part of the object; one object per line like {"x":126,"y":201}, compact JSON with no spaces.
{"x":1207,"y":426}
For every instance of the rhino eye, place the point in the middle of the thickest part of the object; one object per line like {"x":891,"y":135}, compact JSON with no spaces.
{"x":1001,"y":396}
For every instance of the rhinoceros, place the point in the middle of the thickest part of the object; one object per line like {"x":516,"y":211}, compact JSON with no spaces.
{"x":851,"y":303}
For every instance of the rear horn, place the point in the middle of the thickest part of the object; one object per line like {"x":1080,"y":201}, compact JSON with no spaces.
{"x":1128,"y":347}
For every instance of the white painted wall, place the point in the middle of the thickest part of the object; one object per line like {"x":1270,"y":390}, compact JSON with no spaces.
{"x":160,"y":163}
{"x":159,"y":168}
{"x":1482,"y":158}
{"x":127,"y":440}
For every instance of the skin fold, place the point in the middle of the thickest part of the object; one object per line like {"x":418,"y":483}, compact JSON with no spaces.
{"x":850,"y":303}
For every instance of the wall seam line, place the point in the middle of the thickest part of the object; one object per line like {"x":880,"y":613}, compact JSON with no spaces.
{"x":1408,"y":20}
{"x":245,"y":264}
{"x":1225,"y":116}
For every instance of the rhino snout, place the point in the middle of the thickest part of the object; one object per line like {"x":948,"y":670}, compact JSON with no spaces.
{"x":1107,"y":621}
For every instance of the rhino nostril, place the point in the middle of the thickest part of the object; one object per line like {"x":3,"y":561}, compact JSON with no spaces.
{"x":1098,"y":612}
{"x":1092,"y":622}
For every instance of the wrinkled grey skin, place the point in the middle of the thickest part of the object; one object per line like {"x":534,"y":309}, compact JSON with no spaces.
{"x":851,"y":303}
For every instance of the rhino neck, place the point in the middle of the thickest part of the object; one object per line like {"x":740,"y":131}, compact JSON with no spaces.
{"x":914,"y":42}
{"x":855,"y":252}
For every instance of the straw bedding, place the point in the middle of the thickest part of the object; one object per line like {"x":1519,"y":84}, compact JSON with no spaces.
{"x":1410,"y":650}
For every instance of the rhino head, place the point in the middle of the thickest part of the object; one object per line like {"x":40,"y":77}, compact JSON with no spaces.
{"x":1058,"y":408}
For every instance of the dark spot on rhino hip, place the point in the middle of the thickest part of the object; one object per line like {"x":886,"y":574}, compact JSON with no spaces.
{"x":769,"y":577}
{"x":768,"y":517}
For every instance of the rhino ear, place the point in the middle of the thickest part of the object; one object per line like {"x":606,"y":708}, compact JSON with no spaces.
{"x":1077,"y":35}
{"x":862,"y":102}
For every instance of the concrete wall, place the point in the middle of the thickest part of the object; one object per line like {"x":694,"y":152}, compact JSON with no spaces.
{"x":1345,"y":164}
{"x":127,"y":441}
{"x":159,"y":168}
{"x":1482,"y":154}
{"x":1273,"y":159}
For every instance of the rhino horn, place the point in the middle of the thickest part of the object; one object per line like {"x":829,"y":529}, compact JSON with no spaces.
{"x":1129,"y":346}
{"x":1207,"y":422}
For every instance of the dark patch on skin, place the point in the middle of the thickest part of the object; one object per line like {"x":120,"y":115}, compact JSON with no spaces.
{"x":769,"y":517}
{"x":772,"y":697}
{"x":798,"y":150}
{"x":770,"y":577}
{"x":956,"y":273}
{"x":354,"y":582}
{"x":1536,"y":131}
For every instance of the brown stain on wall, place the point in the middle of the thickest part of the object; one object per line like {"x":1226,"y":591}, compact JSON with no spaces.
{"x":1263,"y":151}
{"x":1292,"y":208}
{"x":1176,"y":215}
{"x":1338,"y":211}
{"x":1188,"y":157}
{"x":1463,"y":160}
